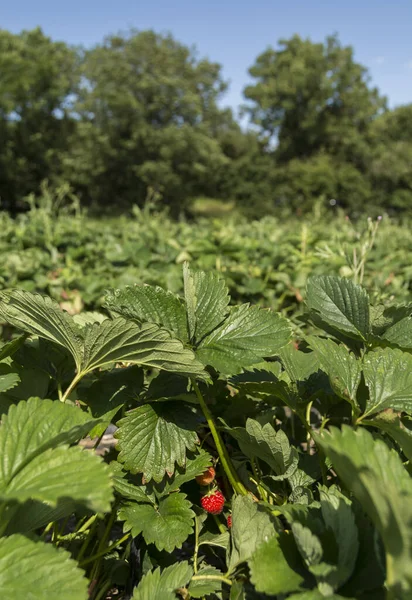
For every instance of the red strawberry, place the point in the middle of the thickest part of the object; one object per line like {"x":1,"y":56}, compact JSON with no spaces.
{"x":229,"y":521}
{"x":213,"y":502}
{"x":206,"y":477}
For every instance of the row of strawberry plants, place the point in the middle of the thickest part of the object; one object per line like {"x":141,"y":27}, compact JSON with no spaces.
{"x":245,"y":466}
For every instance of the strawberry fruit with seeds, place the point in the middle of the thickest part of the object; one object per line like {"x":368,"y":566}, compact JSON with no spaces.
{"x":213,"y":502}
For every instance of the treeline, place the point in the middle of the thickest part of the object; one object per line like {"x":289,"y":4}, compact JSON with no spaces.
{"x":141,"y":112}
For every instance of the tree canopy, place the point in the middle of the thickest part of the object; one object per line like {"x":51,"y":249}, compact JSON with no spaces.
{"x":142,"y":113}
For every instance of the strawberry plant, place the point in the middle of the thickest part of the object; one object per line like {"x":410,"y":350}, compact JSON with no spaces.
{"x":244,"y":467}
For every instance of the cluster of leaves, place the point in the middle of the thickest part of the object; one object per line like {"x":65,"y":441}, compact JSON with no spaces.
{"x":310,"y":445}
{"x":141,"y":112}
{"x":74,"y":258}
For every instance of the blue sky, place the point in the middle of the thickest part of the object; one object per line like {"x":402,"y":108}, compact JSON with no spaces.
{"x":234,"y":32}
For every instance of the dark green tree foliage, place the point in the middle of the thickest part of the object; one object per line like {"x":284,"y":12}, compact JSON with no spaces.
{"x":148,"y":118}
{"x":314,"y":104}
{"x":391,"y":158}
{"x":312,"y":98}
{"x":37,"y":77}
{"x":141,"y":113}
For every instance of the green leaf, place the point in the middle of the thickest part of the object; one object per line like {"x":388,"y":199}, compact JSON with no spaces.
{"x":248,"y":335}
{"x":195,"y":465}
{"x":237,"y":591}
{"x":395,"y":429}
{"x":340,"y":303}
{"x":377,"y":478}
{"x":9,"y":378}
{"x":63,"y":473}
{"x":39,"y":315}
{"x":153,"y":304}
{"x":299,"y":365}
{"x":275,"y":566}
{"x":207,"y":300}
{"x":113,"y":389}
{"x":32,"y":427}
{"x":161,"y":585}
{"x":37,"y":463}
{"x":339,"y":518}
{"x":400,"y":334}
{"x":308,"y":543}
{"x":11,"y":348}
{"x":32,"y":382}
{"x":317,"y":595}
{"x":199,"y":587}
{"x":220,"y":540}
{"x":251,"y":526}
{"x":268,"y":445}
{"x":129,"y":490}
{"x":167,"y":525}
{"x":341,"y":366}
{"x":35,"y":570}
{"x":147,"y":344}
{"x":388,"y":375}
{"x":33,"y":514}
{"x":153,"y":437}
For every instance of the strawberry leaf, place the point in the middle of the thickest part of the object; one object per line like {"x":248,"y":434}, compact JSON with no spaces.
{"x":147,"y":303}
{"x":341,"y":366}
{"x":251,"y":526}
{"x":248,"y":335}
{"x":286,"y":577}
{"x":162,"y":585}
{"x":33,"y":569}
{"x":388,"y":375}
{"x":207,"y":300}
{"x":340,"y":303}
{"x":147,"y":344}
{"x":377,"y":478}
{"x":153,"y":437}
{"x":166,"y":525}
{"x":40,"y":315}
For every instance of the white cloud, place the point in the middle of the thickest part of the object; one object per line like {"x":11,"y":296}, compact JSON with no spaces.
{"x":379,"y":60}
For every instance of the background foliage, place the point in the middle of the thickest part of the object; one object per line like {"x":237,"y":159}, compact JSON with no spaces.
{"x":141,"y":113}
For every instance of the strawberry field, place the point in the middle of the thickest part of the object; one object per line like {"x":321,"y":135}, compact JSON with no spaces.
{"x":258,"y":377}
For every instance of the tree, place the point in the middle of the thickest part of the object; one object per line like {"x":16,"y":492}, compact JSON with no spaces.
{"x":37,"y":77}
{"x":148,"y":118}
{"x":390,"y":140}
{"x":312,"y":97}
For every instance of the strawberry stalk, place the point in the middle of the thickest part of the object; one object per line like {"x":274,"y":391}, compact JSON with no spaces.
{"x":221,"y":448}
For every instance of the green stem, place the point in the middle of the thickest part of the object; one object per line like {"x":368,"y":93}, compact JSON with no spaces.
{"x":196,"y":551}
{"x":103,"y":591}
{"x":87,"y":524}
{"x":257,"y":474}
{"x":105,"y":551}
{"x":71,"y":387}
{"x":212,"y":578}
{"x":219,"y":524}
{"x":308,"y":429}
{"x":221,"y":448}
{"x":87,"y":540}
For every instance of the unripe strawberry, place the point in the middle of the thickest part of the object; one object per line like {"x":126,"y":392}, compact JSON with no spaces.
{"x":206,"y":477}
{"x":213,"y":502}
{"x":229,"y":521}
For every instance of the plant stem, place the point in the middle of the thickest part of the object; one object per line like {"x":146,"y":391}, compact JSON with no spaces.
{"x":105,"y":551}
{"x":309,"y":429}
{"x":257,"y":473}
{"x":212,"y":578}
{"x":220,"y":525}
{"x":196,"y":550}
{"x":71,"y":387}
{"x":221,"y":448}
